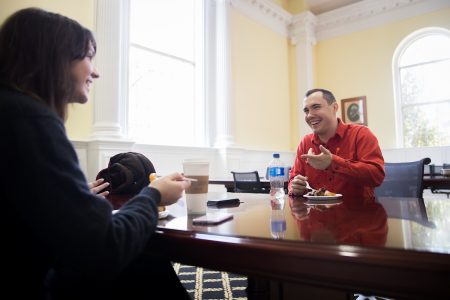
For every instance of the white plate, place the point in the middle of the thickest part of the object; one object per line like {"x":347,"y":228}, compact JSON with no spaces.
{"x":163,"y":214}
{"x":325,"y":203}
{"x":325,"y":198}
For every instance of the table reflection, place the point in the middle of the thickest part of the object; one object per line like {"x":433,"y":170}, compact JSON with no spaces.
{"x":407,"y":209}
{"x":408,"y":223}
{"x":277,"y":218}
{"x":345,"y":223}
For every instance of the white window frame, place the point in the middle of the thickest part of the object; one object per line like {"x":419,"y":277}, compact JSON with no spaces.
{"x":402,"y":47}
{"x":111,"y":92}
{"x":199,"y":138}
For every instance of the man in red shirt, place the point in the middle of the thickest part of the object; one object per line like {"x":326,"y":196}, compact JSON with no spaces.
{"x":342,"y":158}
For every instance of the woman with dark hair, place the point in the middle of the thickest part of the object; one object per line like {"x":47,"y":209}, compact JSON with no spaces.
{"x":62,"y":239}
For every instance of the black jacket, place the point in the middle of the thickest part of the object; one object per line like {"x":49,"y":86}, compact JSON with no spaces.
{"x":52,"y":225}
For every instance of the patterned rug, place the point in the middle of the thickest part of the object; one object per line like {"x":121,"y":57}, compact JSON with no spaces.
{"x":202,"y":283}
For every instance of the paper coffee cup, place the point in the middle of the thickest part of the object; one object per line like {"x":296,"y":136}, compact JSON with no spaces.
{"x":196,"y":194}
{"x":196,"y":203}
{"x":197,"y":169}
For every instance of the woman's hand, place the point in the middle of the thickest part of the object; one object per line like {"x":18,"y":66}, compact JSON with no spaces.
{"x":171,"y":187}
{"x":97,"y":186}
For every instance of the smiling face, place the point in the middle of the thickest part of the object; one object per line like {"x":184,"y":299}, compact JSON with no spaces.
{"x":320,"y":115}
{"x":83,"y":73}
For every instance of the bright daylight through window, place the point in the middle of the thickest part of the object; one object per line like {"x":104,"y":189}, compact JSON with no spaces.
{"x":424,"y":90}
{"x":166,"y":101}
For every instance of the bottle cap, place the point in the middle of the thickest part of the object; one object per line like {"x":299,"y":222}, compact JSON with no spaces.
{"x":276,"y":155}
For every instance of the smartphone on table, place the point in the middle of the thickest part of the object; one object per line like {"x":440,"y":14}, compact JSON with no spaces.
{"x":212,"y":219}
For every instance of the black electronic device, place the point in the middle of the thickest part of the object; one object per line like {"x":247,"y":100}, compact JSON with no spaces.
{"x":230,"y":202}
{"x":212,"y":219}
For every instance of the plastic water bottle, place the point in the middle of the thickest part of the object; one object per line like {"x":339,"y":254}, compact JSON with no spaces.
{"x":276,"y":176}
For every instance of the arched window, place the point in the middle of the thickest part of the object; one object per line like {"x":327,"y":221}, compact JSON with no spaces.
{"x":421,"y":68}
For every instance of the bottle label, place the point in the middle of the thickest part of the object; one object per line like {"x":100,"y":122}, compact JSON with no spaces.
{"x":276,"y":171}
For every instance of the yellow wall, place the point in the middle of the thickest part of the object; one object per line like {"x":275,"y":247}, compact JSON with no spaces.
{"x":80,"y":116}
{"x":260,"y":85}
{"x":292,"y":6}
{"x":266,"y":111}
{"x":361,"y":64}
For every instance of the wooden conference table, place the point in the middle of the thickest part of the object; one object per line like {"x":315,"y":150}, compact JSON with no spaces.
{"x":394,"y":247}
{"x":229,"y":183}
{"x":435,"y":182}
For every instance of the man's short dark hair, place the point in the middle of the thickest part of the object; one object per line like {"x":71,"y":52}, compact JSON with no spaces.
{"x":327,"y":95}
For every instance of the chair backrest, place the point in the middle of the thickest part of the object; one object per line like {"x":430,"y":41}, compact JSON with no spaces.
{"x":404,"y":179}
{"x":247,"y":182}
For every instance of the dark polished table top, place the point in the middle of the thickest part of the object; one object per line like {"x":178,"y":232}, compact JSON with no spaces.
{"x":229,"y":183}
{"x":434,"y":181}
{"x":397,"y":247}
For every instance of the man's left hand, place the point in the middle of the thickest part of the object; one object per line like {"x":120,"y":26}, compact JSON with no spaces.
{"x":319,"y":161}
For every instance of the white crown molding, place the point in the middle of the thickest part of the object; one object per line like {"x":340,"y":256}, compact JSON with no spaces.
{"x":345,"y":20}
{"x":370,"y":13}
{"x":303,"y":28}
{"x":266,"y":13}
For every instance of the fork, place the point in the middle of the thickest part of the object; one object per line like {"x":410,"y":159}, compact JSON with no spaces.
{"x":309,"y":187}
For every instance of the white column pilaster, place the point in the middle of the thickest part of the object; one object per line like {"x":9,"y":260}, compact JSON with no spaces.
{"x":110,"y":110}
{"x":224,"y":133}
{"x":108,"y":136}
{"x":304,"y":39}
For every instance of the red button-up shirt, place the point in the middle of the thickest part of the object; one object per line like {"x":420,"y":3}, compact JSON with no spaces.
{"x":357,"y":165}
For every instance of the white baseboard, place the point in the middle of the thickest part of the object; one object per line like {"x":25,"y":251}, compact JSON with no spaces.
{"x":95,"y":155}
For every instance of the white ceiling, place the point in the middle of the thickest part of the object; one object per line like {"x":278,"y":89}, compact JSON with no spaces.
{"x":321,"y":6}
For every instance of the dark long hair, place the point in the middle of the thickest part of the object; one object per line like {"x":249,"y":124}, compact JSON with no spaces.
{"x":36,"y":51}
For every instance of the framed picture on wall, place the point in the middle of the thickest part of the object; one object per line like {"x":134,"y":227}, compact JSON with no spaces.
{"x":354,"y":110}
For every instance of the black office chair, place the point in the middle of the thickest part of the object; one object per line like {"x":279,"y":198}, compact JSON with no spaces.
{"x":247,"y":182}
{"x":404,"y":179}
